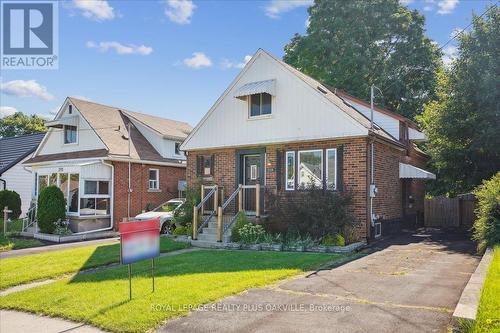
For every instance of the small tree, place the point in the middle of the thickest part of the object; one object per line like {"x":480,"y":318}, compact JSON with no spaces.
{"x":184,"y":214}
{"x":51,"y":208}
{"x":12,"y":200}
{"x":487,"y":225}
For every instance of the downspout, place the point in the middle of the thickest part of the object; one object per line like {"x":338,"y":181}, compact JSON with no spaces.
{"x":129,"y":126}
{"x":4,"y":183}
{"x":111,"y":203}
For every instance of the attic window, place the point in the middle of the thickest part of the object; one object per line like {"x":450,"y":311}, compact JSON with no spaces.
{"x":70,"y":134}
{"x":260,"y":104}
{"x":70,"y":109}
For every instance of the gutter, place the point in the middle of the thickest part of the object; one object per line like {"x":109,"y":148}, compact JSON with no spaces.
{"x":130,"y":160}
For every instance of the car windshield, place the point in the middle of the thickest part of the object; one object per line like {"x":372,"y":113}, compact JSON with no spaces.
{"x":168,"y":207}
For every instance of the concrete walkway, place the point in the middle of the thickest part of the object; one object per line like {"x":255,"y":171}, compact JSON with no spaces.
{"x":20,"y":322}
{"x":410,"y":284}
{"x":56,"y":247}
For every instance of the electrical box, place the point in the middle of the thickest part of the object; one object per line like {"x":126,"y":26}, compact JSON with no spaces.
{"x":373,"y":191}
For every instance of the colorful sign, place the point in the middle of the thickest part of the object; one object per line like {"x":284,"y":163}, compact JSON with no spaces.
{"x":139,"y":240}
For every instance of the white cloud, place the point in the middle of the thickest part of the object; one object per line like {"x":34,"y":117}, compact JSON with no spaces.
{"x":446,"y":6}
{"x":7,"y":111}
{"x":198,"y":60}
{"x":180,"y":11}
{"x":428,"y":8}
{"x":276,"y":7}
{"x":406,"y":2}
{"x":98,"y":10}
{"x":450,"y":53}
{"x":84,"y":98}
{"x":29,"y":88}
{"x":54,"y":111}
{"x":307,"y":22}
{"x":230,"y":64}
{"x":120,"y":48}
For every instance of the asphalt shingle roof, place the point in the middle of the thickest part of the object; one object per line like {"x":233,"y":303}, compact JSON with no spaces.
{"x":15,"y":149}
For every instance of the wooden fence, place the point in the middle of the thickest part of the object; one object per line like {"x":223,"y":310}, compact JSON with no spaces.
{"x":450,"y":212}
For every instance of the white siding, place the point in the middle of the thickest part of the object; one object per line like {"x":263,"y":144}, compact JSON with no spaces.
{"x":87,"y":139}
{"x":164,"y":147}
{"x":298,"y":113}
{"x":96,"y":171}
{"x":388,"y":123}
{"x":20,"y":180}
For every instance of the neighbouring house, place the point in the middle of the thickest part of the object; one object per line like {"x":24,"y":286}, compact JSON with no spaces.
{"x":15,"y":176}
{"x":109,"y":162}
{"x":280,"y":128}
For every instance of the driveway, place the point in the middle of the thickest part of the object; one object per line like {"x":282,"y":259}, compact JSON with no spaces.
{"x":408,"y":284}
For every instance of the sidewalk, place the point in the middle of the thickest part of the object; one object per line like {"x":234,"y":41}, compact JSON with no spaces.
{"x":56,"y":247}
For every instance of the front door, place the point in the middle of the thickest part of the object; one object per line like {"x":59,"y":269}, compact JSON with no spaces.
{"x":251,"y":176}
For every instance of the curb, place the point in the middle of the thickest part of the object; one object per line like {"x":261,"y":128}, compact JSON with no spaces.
{"x":466,"y":309}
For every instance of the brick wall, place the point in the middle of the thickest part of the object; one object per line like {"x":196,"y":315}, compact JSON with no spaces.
{"x":141,"y":196}
{"x":354,"y":170}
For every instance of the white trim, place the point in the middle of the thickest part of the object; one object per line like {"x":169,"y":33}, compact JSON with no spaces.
{"x":64,"y":136}
{"x":286,"y":170}
{"x":326,"y":168}
{"x":379,"y":225}
{"x":260,"y":115}
{"x":298,"y":164}
{"x":157,"y":180}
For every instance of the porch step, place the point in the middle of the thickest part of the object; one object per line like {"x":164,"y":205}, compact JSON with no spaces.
{"x":208,"y":244}
{"x":208,"y":237}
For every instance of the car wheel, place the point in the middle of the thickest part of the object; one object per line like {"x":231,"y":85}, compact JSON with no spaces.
{"x":165,"y":228}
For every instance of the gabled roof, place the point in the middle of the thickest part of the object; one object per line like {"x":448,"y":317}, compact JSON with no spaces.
{"x":111,"y":126}
{"x":14,"y":149}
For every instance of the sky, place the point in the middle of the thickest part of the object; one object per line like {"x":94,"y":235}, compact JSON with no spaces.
{"x":174,"y":58}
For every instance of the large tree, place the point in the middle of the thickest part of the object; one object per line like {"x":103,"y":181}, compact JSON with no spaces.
{"x":21,"y":124}
{"x":353,"y":44}
{"x":463,"y":124}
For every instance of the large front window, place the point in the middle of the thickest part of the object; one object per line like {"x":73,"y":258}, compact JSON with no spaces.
{"x":260,"y":104}
{"x":94,"y":200}
{"x":311,"y":168}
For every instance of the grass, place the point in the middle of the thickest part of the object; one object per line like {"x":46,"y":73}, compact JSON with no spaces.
{"x":183,"y":282}
{"x":10,"y":242}
{"x":36,"y":267}
{"x":488,"y":315}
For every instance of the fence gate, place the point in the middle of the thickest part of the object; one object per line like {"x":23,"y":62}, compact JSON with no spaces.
{"x":442,"y":212}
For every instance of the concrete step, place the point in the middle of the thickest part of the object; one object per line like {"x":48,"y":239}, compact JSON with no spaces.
{"x":208,"y":244}
{"x":212,"y":238}
{"x":212,"y":230}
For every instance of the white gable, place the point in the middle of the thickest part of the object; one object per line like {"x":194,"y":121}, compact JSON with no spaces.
{"x":87,"y":139}
{"x":299,"y":112}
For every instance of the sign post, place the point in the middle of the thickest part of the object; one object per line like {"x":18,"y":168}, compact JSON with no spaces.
{"x":6,"y":212}
{"x":139,"y":240}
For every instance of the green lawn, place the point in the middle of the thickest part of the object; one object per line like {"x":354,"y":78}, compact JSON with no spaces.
{"x":19,"y":270}
{"x":13,"y":226}
{"x":14,"y":243}
{"x":488,"y":315}
{"x":182,"y":282}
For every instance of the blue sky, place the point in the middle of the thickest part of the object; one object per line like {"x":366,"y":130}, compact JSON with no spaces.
{"x":174,"y":58}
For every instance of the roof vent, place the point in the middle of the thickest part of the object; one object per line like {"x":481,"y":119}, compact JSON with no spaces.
{"x":322,"y":90}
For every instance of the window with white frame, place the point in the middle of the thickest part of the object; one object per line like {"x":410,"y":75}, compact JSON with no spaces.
{"x":70,"y":133}
{"x":310,"y":164}
{"x":290,"y":170}
{"x":95,"y":200}
{"x":331,"y":169}
{"x":260,"y":104}
{"x":154,"y":179}
{"x":68,"y":183}
{"x":178,"y":148}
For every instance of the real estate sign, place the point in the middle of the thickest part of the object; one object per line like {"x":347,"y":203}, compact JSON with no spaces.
{"x":140,"y":240}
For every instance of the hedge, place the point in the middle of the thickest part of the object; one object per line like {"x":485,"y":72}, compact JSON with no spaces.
{"x":51,"y":208}
{"x":12,"y":200}
{"x":487,"y":224}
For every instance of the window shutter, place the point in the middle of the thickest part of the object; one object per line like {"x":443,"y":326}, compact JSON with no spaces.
{"x":212,"y":165}
{"x":199,"y":165}
{"x":279,"y":175}
{"x":340,"y":168}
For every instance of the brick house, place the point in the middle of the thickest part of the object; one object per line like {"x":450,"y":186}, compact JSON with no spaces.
{"x":110,"y":163}
{"x":281,"y":129}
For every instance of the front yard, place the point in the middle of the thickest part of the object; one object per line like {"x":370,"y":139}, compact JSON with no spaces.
{"x":19,"y":270}
{"x":488,"y":315}
{"x":183,"y":282}
{"x":13,"y":243}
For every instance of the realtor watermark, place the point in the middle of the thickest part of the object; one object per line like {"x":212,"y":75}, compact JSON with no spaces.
{"x":259,"y":307}
{"x":30,"y":34}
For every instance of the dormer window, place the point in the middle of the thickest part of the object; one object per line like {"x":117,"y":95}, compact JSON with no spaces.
{"x":70,"y":133}
{"x":260,"y":104}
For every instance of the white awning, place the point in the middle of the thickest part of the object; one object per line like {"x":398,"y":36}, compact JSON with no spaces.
{"x":58,"y":123}
{"x":410,"y":171}
{"x":268,"y":86}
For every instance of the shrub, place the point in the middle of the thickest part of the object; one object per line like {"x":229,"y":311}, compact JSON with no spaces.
{"x":62,"y":228}
{"x":184,"y":214}
{"x":487,"y":225}
{"x":337,"y":240}
{"x":180,"y":231}
{"x":241,"y":221}
{"x":311,"y":212}
{"x":251,"y":233}
{"x":51,"y":208}
{"x":12,"y":200}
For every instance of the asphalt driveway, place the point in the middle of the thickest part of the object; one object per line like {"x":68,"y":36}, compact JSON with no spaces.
{"x":409,"y":284}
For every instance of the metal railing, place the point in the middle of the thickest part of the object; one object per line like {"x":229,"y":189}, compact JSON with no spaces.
{"x":198,"y":210}
{"x":30,"y":219}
